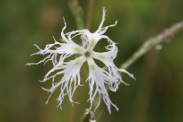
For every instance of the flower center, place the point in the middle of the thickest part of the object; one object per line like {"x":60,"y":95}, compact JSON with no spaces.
{"x":87,"y":54}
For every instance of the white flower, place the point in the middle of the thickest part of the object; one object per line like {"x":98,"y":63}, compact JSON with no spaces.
{"x":61,"y":54}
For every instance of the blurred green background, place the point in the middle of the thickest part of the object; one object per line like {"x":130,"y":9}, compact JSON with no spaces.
{"x":155,"y":96}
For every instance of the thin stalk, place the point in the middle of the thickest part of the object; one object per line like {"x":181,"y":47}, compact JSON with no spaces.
{"x":152,"y":42}
{"x":89,"y":13}
{"x":77,"y":12}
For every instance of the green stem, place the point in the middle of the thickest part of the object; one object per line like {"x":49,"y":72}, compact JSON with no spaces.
{"x":152,"y":42}
{"x":77,"y":13}
{"x":89,"y":13}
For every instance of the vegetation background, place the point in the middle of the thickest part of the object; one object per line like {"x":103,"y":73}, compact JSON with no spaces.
{"x":155,"y":96}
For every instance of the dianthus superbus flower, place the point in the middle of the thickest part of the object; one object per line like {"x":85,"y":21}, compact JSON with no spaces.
{"x":60,"y":53}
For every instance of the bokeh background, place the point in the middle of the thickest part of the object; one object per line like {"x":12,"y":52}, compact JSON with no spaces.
{"x":155,"y":96}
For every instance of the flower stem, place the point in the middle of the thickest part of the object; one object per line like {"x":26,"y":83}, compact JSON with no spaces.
{"x":89,"y":13}
{"x":77,"y":12}
{"x":152,"y":42}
